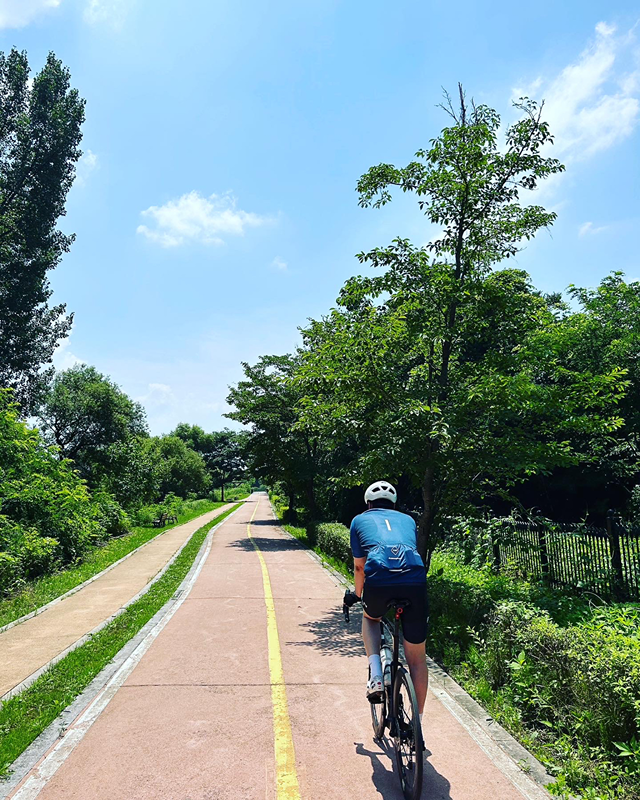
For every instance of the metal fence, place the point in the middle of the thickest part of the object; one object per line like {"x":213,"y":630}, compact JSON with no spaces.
{"x":605,"y":561}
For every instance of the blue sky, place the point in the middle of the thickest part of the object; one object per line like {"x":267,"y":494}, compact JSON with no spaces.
{"x":215,"y":208}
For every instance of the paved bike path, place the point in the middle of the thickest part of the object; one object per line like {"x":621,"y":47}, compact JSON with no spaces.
{"x":194,"y":720}
{"x":27,"y":647}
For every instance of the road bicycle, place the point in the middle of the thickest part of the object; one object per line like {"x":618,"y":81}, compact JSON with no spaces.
{"x":397,"y":710}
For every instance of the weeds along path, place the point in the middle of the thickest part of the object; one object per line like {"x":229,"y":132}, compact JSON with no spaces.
{"x":26,"y":648}
{"x":253,"y":688}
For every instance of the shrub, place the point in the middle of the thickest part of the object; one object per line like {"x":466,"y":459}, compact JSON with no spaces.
{"x":333,"y":539}
{"x":112,"y":518}
{"x":41,"y":498}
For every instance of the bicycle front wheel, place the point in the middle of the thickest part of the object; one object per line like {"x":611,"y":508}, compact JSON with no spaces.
{"x":407,"y":739}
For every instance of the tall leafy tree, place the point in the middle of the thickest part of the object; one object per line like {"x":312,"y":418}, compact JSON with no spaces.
{"x":180,"y":470}
{"x":425,"y":367}
{"x":267,"y":401}
{"x":85,"y":413}
{"x":39,"y":147}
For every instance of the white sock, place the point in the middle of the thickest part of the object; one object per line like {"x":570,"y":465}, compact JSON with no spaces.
{"x":375,"y":665}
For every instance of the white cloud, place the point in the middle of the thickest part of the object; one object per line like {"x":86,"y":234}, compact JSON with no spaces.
{"x":593,"y":103}
{"x":588,"y":229}
{"x":86,"y":165}
{"x":194,"y":218}
{"x":18,"y":13}
{"x":109,"y":12}
{"x":279,"y":264}
{"x":63,"y":358}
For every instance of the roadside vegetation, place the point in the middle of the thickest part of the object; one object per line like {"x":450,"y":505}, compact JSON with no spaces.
{"x":41,"y":591}
{"x":485,"y":400}
{"x":24,"y":717}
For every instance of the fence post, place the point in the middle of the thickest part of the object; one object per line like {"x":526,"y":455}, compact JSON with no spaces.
{"x":496,"y":550}
{"x":616,"y":556}
{"x":544,"y":553}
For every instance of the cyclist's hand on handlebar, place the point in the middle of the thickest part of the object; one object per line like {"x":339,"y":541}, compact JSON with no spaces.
{"x":350,"y":599}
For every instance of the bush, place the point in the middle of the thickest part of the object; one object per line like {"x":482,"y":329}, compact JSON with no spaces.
{"x":112,"y":518}
{"x":563,"y":676}
{"x":24,"y":554}
{"x":333,"y":539}
{"x":48,"y":517}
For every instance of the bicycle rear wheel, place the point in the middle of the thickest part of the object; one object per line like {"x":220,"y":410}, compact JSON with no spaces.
{"x":407,"y":740}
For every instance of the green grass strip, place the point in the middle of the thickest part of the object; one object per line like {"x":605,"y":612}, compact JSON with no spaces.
{"x":42,"y":591}
{"x":24,"y":717}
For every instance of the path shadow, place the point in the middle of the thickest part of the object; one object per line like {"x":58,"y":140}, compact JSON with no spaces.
{"x":331,"y":634}
{"x":272,"y":522}
{"x":384,"y":777}
{"x":267,"y":544}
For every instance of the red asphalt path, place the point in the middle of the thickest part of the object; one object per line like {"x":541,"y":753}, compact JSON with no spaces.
{"x":194,"y":720}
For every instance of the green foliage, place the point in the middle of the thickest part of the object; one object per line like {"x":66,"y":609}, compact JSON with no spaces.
{"x":39,"y":147}
{"x":29,"y":596}
{"x":180,"y":470}
{"x":130,"y":472}
{"x":560,"y":674}
{"x":333,"y":540}
{"x":276,"y":448}
{"x":46,"y":514}
{"x":113,"y":519}
{"x":85,"y":413}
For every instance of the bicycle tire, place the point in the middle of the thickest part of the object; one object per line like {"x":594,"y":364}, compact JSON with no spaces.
{"x":407,"y":739}
{"x":379,"y":715}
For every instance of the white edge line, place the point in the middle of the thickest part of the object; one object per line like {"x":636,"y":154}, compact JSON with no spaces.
{"x":24,"y":684}
{"x":65,"y":746}
{"x":36,"y":612}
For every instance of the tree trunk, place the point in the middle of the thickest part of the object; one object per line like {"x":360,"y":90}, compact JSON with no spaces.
{"x":222,"y":492}
{"x":311,"y":500}
{"x":425,"y":528}
{"x":292,"y":514}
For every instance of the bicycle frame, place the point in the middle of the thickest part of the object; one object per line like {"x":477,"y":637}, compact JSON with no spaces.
{"x":395,"y":661}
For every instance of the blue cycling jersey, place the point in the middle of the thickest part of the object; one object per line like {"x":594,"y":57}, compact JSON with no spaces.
{"x":387,"y":538}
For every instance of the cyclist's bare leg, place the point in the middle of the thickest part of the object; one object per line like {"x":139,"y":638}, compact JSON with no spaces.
{"x":371,"y":635}
{"x":415,"y":655}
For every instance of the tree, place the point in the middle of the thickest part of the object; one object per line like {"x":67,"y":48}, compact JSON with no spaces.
{"x":267,"y":401}
{"x":46,"y":513}
{"x":39,"y":147}
{"x":432,"y":369}
{"x":225,"y":459}
{"x":181,"y":470}
{"x":222,"y":452}
{"x":603,"y":334}
{"x":84,"y":413}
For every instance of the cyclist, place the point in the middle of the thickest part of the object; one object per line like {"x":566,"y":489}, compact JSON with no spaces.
{"x":387,"y":566}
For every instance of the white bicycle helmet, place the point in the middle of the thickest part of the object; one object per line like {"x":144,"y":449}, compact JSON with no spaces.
{"x":381,"y":490}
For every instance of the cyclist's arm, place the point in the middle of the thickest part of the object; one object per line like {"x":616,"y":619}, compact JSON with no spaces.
{"x":358,"y":574}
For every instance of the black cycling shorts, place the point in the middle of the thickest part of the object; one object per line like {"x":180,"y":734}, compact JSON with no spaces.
{"x":414,"y":618}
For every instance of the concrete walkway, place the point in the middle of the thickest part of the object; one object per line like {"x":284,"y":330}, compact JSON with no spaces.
{"x":27,"y":647}
{"x":198,"y":717}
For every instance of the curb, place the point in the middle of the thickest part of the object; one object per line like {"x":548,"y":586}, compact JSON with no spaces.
{"x":93,"y":578}
{"x":24,"y":684}
{"x":523,"y":769}
{"x":48,"y":751}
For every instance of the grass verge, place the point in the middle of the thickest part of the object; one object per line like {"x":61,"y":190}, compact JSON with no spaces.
{"x":44,"y":590}
{"x":24,"y":717}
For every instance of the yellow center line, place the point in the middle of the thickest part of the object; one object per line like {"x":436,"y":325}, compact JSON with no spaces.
{"x":287,"y":787}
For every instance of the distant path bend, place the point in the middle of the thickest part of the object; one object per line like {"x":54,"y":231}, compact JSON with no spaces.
{"x":29,"y":646}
